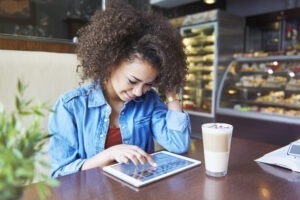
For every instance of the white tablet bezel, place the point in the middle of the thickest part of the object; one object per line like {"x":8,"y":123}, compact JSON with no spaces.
{"x":137,"y":183}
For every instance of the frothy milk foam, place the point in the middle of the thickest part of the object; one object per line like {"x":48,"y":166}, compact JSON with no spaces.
{"x":216,"y":141}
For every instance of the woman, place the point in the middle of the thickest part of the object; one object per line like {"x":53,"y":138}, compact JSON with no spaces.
{"x":125,"y":53}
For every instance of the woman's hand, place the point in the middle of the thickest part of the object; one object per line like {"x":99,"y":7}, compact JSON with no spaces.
{"x":121,"y":153}
{"x":124,"y":153}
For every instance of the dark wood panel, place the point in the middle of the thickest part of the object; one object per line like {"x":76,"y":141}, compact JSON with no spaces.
{"x":36,"y":45}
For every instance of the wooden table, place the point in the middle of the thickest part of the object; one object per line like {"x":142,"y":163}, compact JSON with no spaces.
{"x":246,"y":179}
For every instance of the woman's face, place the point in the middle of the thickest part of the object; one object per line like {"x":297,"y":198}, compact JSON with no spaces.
{"x":130,"y":80}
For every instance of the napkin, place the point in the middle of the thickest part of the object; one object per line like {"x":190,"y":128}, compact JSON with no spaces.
{"x":280,"y":158}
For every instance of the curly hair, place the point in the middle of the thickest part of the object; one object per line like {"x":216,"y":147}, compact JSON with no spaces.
{"x":122,"y":33}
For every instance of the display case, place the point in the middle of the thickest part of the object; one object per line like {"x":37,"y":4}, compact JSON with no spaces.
{"x":266,"y":88}
{"x":199,"y":91}
{"x":210,"y":39}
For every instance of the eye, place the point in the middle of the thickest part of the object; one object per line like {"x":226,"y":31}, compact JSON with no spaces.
{"x":132,"y":82}
{"x":149,"y":84}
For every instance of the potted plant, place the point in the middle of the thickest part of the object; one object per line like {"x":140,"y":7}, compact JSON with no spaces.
{"x":21,"y":141}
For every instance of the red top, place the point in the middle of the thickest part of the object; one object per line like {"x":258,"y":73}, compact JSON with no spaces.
{"x":113,"y":137}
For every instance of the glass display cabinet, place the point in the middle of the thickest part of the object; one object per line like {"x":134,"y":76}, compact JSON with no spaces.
{"x":210,"y":39}
{"x":199,"y":91}
{"x":266,"y":88}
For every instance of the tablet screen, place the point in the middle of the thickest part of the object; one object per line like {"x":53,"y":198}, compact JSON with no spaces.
{"x":167,"y":164}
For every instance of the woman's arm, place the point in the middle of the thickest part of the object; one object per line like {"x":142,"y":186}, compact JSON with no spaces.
{"x":64,"y":145}
{"x":170,"y":124}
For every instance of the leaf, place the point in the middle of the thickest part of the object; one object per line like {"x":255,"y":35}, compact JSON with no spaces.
{"x":18,"y":103}
{"x":23,"y":172}
{"x":20,"y":86}
{"x":27,"y":103}
{"x":43,"y":163}
{"x":17,"y":153}
{"x":13,"y":120}
{"x":25,"y":112}
{"x":38,"y":112}
{"x":20,"y":143}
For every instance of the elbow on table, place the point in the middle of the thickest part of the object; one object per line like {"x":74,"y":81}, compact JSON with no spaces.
{"x":179,"y":148}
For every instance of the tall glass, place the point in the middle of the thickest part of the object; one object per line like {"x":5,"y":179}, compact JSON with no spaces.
{"x":216,"y":143}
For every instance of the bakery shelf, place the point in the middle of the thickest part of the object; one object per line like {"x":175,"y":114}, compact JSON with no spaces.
{"x":259,"y":94}
{"x":264,"y":104}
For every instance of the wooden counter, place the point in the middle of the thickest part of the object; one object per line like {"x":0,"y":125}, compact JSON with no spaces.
{"x":36,"y":44}
{"x":246,"y":179}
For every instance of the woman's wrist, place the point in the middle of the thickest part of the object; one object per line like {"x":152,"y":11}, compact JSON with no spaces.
{"x":172,"y":98}
{"x":173,"y":101}
{"x":101,"y":159}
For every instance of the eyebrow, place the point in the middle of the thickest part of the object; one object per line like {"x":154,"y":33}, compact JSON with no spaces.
{"x":136,"y":78}
{"x":141,"y":80}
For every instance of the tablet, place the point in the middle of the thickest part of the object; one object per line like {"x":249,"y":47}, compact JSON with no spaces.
{"x":167,"y":164}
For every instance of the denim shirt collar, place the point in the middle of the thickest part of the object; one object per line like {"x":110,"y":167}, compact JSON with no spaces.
{"x":95,"y":96}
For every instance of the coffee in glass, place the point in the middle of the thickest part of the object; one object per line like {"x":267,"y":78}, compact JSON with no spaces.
{"x":216,"y":143}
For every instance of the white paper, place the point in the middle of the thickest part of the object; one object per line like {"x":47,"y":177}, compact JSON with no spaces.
{"x":280,"y":158}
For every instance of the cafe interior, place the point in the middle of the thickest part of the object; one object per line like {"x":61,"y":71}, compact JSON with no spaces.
{"x":243,"y":69}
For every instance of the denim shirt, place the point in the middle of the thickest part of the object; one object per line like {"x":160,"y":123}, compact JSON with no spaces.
{"x":80,"y":124}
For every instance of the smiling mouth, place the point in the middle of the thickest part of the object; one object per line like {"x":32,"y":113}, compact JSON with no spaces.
{"x":130,"y":97}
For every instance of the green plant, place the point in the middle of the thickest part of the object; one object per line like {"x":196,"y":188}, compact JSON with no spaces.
{"x":21,"y":142}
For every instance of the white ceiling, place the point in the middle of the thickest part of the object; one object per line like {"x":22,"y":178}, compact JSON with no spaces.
{"x":170,"y":3}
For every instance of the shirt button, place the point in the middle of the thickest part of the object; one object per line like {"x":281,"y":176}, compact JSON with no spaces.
{"x":101,"y":136}
{"x":122,"y":113}
{"x":105,"y":120}
{"x":123,"y":127}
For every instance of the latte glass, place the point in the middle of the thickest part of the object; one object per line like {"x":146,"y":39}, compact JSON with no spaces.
{"x":216,"y":143}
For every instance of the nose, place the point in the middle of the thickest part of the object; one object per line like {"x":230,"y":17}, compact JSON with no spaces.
{"x":138,"y":91}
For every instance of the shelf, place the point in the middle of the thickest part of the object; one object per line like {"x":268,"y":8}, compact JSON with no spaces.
{"x":267,"y":58}
{"x":260,"y":88}
{"x":267,"y":94}
{"x":199,"y":52}
{"x":264,"y":104}
{"x":275,"y":73}
{"x":200,"y":46}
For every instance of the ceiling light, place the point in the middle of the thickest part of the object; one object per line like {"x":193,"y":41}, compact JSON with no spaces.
{"x":209,"y":1}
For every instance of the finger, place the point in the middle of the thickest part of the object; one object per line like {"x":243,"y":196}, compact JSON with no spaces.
{"x":141,"y":159}
{"x":151,"y":161}
{"x":140,"y":155}
{"x":133,"y":159}
{"x":145,"y":156}
{"x":122,"y":159}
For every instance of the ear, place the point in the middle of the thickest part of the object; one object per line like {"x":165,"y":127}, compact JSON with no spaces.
{"x":110,"y":70}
